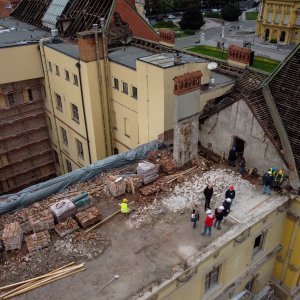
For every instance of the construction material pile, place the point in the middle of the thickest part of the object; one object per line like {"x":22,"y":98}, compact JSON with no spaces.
{"x":148,"y":171}
{"x":116,"y":185}
{"x":12,"y":236}
{"x":88,"y":216}
{"x":62,"y":210}
{"x":38,"y":240}
{"x":67,"y":227}
{"x":133,"y":182}
{"x":42,"y":221}
{"x":164,"y":158}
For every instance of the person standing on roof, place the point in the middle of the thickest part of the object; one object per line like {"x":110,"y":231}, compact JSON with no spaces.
{"x":230,"y":193}
{"x":226,"y":205}
{"x":232,"y":156}
{"x":208,"y":192}
{"x":219,"y":214}
{"x":278,"y":180}
{"x":195,"y":217}
{"x":208,"y":223}
{"x":267,"y":180}
{"x":124,"y":207}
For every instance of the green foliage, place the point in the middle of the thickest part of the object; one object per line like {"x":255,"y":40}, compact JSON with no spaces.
{"x":167,"y":5}
{"x":251,"y":15}
{"x":165,"y":24}
{"x":189,"y":32}
{"x":273,"y":41}
{"x":265,"y":64}
{"x":209,"y":51}
{"x":192,"y":18}
{"x":230,"y":12}
{"x":211,"y":14}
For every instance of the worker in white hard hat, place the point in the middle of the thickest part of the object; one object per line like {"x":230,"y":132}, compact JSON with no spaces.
{"x":219,"y":214}
{"x":208,"y":223}
{"x":226,"y":205}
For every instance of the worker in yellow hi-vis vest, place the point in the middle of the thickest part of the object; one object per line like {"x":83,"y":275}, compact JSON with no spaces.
{"x":124,"y":207}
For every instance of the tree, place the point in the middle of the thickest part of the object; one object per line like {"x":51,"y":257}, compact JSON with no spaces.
{"x":167,"y":5}
{"x":192,"y":18}
{"x":230,"y":12}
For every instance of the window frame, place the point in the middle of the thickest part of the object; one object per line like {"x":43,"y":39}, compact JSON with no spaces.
{"x":69,"y":166}
{"x":75,"y":80}
{"x":132,"y":93}
{"x":12,"y":101}
{"x":30,"y":95}
{"x":64,"y":136}
{"x":79,"y":147}
{"x":116,"y":84}
{"x":124,"y":91}
{"x":259,"y":247}
{"x":212,"y":278}
{"x":58,"y":101}
{"x":56,"y":158}
{"x":67,"y":75}
{"x":50,"y":66}
{"x":74,"y":117}
{"x":57,"y":72}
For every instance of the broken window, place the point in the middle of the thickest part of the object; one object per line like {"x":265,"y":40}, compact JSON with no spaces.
{"x":258,"y":243}
{"x":75,"y":114}
{"x":58,"y":102}
{"x":134,"y":93}
{"x":116,"y":84}
{"x":64,"y":136}
{"x":79,"y":149}
{"x":212,"y":278}
{"x":30,"y":96}
{"x":69,"y":166}
{"x":125,"y":88}
{"x":11,"y":99}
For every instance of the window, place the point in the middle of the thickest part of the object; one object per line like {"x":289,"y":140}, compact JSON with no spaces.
{"x":56,"y":159}
{"x":126,"y":127}
{"x":249,"y":285}
{"x":258,"y":243}
{"x":116,"y":83}
{"x":212,"y":278}
{"x":58,"y":102}
{"x":277,"y":18}
{"x":75,"y":79}
{"x":75,"y":114}
{"x":125,"y":88}
{"x":49,"y":123}
{"x":79,"y":149}
{"x":286,"y":19}
{"x":50,"y":66}
{"x":11,"y":99}
{"x":134,"y":93}
{"x":57,"y":70}
{"x":30,"y":96}
{"x":114,"y":120}
{"x":269,"y":17}
{"x":67,"y":75}
{"x":69,"y":166}
{"x":64,"y":136}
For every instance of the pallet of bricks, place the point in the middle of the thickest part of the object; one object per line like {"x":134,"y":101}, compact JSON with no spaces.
{"x":116,"y":185}
{"x":12,"y":236}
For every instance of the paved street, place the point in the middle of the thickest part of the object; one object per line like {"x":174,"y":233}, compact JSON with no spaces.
{"x":235,"y":33}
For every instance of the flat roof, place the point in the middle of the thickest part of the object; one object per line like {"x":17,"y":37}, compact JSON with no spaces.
{"x":66,"y":48}
{"x":157,"y":242}
{"x":15,"y":33}
{"x":127,"y":56}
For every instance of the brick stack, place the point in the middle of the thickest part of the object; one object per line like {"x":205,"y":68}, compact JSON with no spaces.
{"x":134,"y":180}
{"x":88,"y":217}
{"x":43,"y":221}
{"x":66,"y":227}
{"x":62,"y":210}
{"x":38,"y":241}
{"x":148,"y":171}
{"x":116,"y":185}
{"x":158,"y":185}
{"x":12,"y":236}
{"x":164,"y":159}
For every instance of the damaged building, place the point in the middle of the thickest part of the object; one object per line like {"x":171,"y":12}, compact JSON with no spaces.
{"x":82,"y":80}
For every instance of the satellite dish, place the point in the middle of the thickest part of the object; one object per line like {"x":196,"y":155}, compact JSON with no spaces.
{"x":212,"y":66}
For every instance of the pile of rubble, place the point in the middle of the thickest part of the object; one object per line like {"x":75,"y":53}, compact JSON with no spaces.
{"x":164,"y":159}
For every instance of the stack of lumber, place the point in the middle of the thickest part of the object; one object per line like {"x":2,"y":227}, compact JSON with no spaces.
{"x":25,"y":286}
{"x":116,"y":185}
{"x":62,"y":210}
{"x":148,"y":171}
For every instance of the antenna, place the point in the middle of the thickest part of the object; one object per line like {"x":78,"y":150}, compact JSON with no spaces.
{"x":212,"y":66}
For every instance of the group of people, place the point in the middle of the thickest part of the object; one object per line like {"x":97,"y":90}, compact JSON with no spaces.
{"x":213,"y":219}
{"x":272,"y":180}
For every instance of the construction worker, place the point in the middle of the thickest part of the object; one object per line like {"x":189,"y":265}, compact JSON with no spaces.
{"x":232,"y":156}
{"x":208,"y":223}
{"x":227,"y":206}
{"x":230,"y":193}
{"x":219,"y":214}
{"x":278,"y":180}
{"x":267,"y":180}
{"x":195,"y":216}
{"x":124,"y":207}
{"x":208,"y":193}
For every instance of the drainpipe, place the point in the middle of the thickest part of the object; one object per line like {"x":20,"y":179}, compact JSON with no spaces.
{"x":84,"y":113}
{"x":95,"y":28}
{"x":108,"y":94}
{"x":44,"y":65}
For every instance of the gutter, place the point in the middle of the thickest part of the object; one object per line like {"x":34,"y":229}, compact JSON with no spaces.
{"x":84,"y":112}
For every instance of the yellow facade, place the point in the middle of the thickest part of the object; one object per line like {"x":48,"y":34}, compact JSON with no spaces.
{"x":279,"y":21}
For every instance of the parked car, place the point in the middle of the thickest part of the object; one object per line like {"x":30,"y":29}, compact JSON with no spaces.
{"x":171,"y":17}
